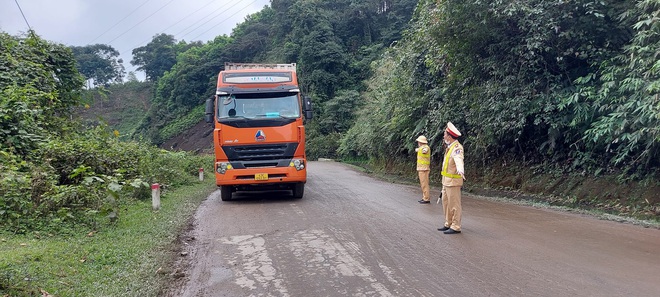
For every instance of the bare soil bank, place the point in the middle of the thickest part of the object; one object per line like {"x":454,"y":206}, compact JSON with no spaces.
{"x":639,"y":200}
{"x":196,"y":139}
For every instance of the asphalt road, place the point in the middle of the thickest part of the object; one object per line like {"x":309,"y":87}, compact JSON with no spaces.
{"x":353,"y":235}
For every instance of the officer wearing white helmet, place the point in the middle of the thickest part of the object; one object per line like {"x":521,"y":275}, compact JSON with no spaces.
{"x":424,"y":167}
{"x":453,"y":174}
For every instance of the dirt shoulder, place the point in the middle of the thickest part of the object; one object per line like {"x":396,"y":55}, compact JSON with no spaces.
{"x":603,"y":197}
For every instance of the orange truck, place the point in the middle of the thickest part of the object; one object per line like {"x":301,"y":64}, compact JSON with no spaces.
{"x":259,"y":113}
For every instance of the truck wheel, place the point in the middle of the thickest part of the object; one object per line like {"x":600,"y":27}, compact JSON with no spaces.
{"x":298,"y":190}
{"x":225,"y":193}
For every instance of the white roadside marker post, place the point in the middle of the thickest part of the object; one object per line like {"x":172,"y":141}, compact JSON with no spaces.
{"x":201,"y":174}
{"x":155,"y":196}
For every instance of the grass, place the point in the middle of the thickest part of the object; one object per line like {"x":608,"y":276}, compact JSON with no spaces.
{"x":122,"y":259}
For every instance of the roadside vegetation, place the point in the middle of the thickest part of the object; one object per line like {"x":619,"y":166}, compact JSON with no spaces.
{"x":558,"y":101}
{"x":75,"y":213}
{"x":129,"y":257}
{"x":571,"y":86}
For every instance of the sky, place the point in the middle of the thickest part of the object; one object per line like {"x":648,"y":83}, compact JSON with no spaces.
{"x":125,"y":24}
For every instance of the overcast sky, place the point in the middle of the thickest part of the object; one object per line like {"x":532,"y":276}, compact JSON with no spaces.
{"x":125,"y":24}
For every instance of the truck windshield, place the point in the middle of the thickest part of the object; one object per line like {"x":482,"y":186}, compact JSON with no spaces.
{"x":264,"y":105}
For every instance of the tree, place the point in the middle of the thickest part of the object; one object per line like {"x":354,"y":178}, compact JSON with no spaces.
{"x":620,"y":104}
{"x":504,"y":71}
{"x":339,"y":112}
{"x":39,"y":85}
{"x":188,"y":84}
{"x":157,"y":57}
{"x":332,"y":42}
{"x":131,"y":77}
{"x":252,"y":39}
{"x":505,"y":66}
{"x":99,"y":63}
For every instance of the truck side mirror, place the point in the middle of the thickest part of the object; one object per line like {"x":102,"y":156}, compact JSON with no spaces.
{"x":208,"y":114}
{"x":307,"y":101}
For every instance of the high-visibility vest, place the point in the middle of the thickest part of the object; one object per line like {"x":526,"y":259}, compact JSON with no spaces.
{"x":424,"y":158}
{"x":445,"y":164}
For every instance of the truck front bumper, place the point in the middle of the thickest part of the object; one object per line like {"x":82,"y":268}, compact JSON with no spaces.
{"x":261,"y":176}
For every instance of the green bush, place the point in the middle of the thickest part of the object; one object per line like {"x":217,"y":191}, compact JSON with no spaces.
{"x":54,"y":173}
{"x":322,"y":146}
{"x":573,"y":85}
{"x":85,"y":177}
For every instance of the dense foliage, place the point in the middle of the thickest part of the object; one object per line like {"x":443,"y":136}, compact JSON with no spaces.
{"x":569,"y":84}
{"x":332,"y":42}
{"x":620,"y":103}
{"x":555,"y":82}
{"x":182,"y":88}
{"x":54,"y":172}
{"x":158,"y":56}
{"x":39,"y":84}
{"x":99,"y":63}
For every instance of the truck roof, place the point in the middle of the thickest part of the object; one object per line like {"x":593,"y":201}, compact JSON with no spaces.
{"x":256,"y":66}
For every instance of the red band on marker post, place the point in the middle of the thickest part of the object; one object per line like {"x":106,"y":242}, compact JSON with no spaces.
{"x":155,"y":196}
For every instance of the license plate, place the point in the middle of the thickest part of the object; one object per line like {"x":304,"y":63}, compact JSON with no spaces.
{"x":261,"y":176}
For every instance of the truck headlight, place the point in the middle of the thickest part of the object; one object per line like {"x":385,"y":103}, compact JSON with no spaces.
{"x":298,"y":164}
{"x":222,"y":167}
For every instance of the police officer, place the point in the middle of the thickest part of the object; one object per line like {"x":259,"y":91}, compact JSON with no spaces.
{"x":453,"y":174}
{"x":423,"y":167}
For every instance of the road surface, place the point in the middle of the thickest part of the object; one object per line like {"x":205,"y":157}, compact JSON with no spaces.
{"x":353,"y":235}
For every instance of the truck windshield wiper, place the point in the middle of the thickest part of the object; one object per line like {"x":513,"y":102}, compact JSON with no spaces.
{"x":233,"y":118}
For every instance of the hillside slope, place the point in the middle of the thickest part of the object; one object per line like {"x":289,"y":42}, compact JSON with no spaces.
{"x":196,"y":139}
{"x":120,"y":106}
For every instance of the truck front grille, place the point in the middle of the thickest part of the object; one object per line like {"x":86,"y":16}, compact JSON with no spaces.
{"x":260,"y":155}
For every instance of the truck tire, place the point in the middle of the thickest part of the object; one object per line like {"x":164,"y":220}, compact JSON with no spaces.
{"x":225,"y":193}
{"x":298,"y":190}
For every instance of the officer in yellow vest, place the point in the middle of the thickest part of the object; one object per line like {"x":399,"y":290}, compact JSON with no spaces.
{"x":424,"y":167}
{"x":453,"y":174}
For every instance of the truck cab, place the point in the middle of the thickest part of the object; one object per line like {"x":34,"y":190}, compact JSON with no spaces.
{"x":259,"y":113}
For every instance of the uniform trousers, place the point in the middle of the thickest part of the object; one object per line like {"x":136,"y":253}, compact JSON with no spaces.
{"x":451,"y":205}
{"x":424,"y":182}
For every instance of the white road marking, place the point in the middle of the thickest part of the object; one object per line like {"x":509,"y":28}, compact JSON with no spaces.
{"x":257,"y":267}
{"x":297,"y":209}
{"x":320,"y":252}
